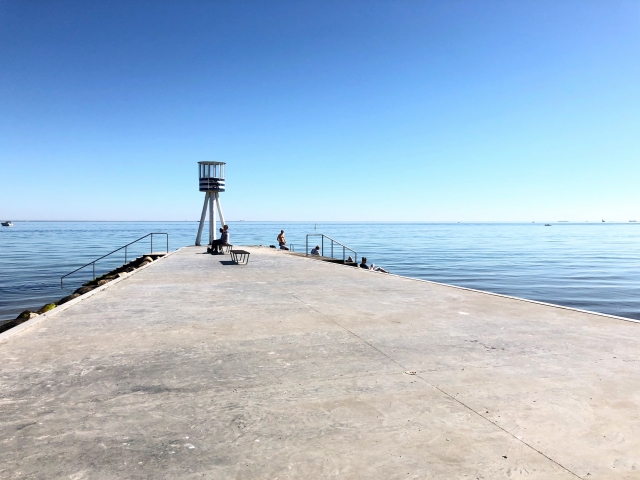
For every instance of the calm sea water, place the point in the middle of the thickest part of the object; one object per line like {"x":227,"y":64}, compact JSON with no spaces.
{"x":589,"y":266}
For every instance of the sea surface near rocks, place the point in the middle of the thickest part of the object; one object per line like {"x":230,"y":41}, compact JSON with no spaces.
{"x":588,"y":266}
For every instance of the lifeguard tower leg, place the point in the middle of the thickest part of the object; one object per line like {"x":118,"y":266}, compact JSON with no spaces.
{"x":220,"y":209}
{"x":212,"y":219}
{"x":202,"y":218}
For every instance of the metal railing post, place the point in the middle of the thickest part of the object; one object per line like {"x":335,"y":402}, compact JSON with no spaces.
{"x":307,"y":250}
{"x":151,"y":251}
{"x":125,"y":255}
{"x":331,"y":248}
{"x":94,"y":270}
{"x":167,"y":243}
{"x":323,"y":245}
{"x":343,"y":253}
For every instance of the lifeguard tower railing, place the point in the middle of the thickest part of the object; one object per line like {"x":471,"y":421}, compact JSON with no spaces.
{"x":125,"y":247}
{"x":330,"y":247}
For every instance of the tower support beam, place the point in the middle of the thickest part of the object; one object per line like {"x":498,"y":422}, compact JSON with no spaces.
{"x":212,"y":218}
{"x":220,"y":209}
{"x":202,"y":218}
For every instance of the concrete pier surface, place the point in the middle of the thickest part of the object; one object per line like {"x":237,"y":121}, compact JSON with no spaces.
{"x":291,"y":367}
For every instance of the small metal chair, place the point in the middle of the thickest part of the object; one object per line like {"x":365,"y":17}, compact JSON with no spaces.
{"x":240,"y":257}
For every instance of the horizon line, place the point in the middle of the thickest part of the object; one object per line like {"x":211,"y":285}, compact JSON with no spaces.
{"x":335,"y":221}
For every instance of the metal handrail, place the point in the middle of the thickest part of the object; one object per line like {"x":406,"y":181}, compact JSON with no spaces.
{"x":117,"y":250}
{"x":344,"y":247}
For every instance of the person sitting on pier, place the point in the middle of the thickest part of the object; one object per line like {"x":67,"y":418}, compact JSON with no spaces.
{"x":282,"y":241}
{"x":223,"y":240}
{"x":377,"y":269}
{"x":209,"y":246}
{"x":373,"y":266}
{"x":316,"y":251}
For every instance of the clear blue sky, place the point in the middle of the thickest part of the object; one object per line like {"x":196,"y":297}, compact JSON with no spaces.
{"x":390,"y":110}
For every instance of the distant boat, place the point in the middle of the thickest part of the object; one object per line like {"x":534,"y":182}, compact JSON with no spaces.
{"x":602,"y":221}
{"x":547,"y":224}
{"x":7,"y":224}
{"x":632,"y":221}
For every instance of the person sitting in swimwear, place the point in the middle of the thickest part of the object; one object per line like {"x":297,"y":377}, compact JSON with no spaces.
{"x":282,"y":241}
{"x":375,"y":268}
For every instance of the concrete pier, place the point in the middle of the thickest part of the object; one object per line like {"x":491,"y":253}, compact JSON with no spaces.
{"x":291,"y":367}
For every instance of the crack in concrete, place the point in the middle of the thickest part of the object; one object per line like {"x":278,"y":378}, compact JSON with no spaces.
{"x":452,"y":397}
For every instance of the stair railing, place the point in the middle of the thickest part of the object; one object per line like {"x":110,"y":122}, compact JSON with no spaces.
{"x":333,"y":242}
{"x":93,"y":263}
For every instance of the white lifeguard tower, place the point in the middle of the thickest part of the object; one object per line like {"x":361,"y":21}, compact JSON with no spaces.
{"x":212,"y":183}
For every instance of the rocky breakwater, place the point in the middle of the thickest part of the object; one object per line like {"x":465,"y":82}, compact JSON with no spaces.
{"x":85,"y":288}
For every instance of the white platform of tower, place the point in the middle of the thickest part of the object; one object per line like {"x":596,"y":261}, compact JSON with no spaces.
{"x":212,"y":183}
